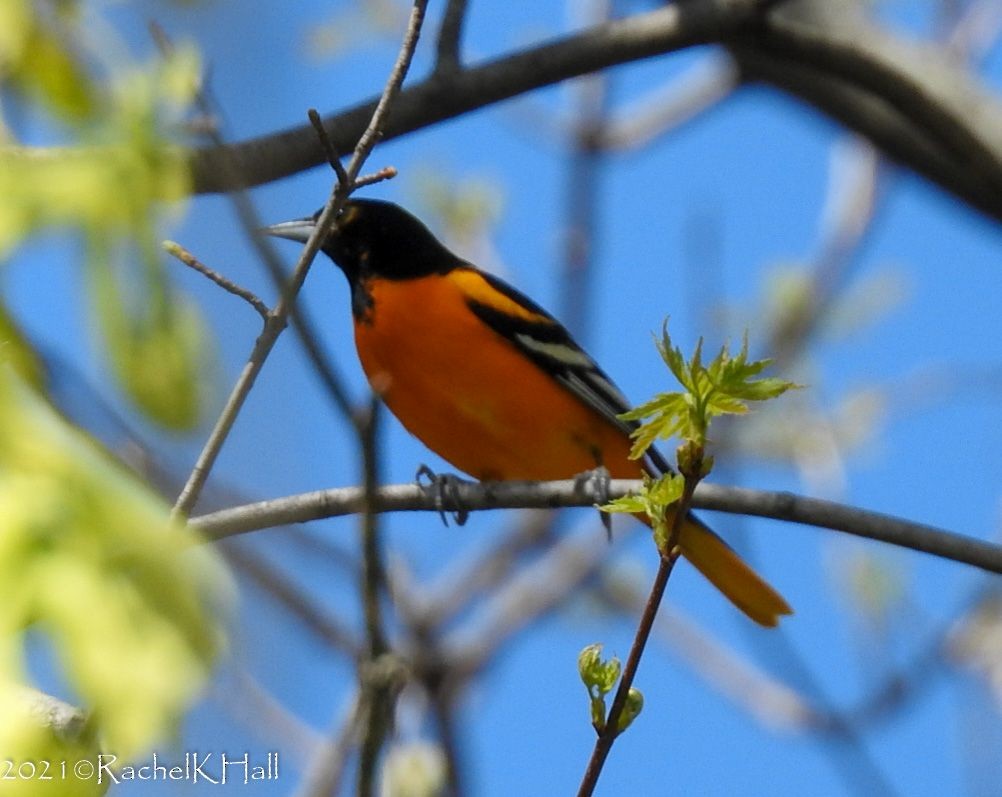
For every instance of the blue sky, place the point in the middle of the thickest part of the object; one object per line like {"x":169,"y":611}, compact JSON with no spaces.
{"x":757,"y":167}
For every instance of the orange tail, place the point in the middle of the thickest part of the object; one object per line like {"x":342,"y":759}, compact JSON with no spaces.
{"x":715,"y":559}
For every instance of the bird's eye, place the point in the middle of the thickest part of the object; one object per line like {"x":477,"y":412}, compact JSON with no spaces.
{"x":348,"y":214}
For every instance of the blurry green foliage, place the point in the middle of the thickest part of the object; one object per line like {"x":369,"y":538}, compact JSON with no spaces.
{"x":466,"y":208}
{"x":38,"y":59}
{"x":975,"y":642}
{"x":111,"y":183}
{"x":16,"y":351}
{"x":89,"y":561}
{"x":872,"y":583}
{"x":49,"y":737}
{"x":351,"y":26}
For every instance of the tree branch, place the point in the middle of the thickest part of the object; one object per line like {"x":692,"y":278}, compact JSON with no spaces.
{"x":921,"y":108}
{"x":278,"y":317}
{"x":444,"y":96}
{"x":914,"y":101}
{"x":476,"y":496}
{"x":450,"y":36}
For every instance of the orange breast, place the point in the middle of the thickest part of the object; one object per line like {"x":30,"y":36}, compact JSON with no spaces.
{"x":470,"y":395}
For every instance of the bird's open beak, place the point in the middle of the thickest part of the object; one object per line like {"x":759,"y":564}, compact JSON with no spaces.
{"x":297,"y":230}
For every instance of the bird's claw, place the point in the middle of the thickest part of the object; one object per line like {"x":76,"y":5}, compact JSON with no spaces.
{"x":596,"y":484}
{"x":444,"y":487}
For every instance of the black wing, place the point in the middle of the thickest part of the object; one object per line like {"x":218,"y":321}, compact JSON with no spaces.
{"x":546,"y":342}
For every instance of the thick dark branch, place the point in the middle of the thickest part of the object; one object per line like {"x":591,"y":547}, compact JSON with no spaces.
{"x":444,"y":96}
{"x":474,"y":496}
{"x":921,"y":107}
{"x":450,"y":36}
{"x":914,"y":101}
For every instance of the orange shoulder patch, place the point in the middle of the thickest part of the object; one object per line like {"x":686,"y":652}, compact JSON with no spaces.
{"x":473,"y":286}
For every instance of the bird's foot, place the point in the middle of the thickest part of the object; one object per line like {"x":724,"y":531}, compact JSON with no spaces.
{"x":445,"y":489}
{"x":595,"y":484}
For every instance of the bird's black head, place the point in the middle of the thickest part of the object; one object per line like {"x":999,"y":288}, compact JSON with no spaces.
{"x":372,"y":238}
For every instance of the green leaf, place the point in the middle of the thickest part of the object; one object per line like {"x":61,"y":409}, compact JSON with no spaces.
{"x":157,"y":350}
{"x":654,"y":501}
{"x":630,"y":504}
{"x":724,"y":386}
{"x":89,"y":559}
{"x":37,"y":57}
{"x":674,"y":358}
{"x":598,"y":676}
{"x":641,"y":411}
{"x":631,"y":709}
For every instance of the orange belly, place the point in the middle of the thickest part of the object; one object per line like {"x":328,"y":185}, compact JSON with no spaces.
{"x":471,"y":397}
{"x":468,"y":394}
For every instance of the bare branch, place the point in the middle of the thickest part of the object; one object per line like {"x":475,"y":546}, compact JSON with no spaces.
{"x":278,"y":317}
{"x":333,"y":156}
{"x":62,"y":719}
{"x":186,"y":257}
{"x":386,"y":173}
{"x":437,"y":605}
{"x":324,"y":775}
{"x":442,"y":97}
{"x":530,"y":592}
{"x":475,"y":496}
{"x":702,"y":87}
{"x":913,"y":101}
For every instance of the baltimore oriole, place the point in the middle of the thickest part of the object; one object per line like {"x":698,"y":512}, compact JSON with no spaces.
{"x":489,"y":380}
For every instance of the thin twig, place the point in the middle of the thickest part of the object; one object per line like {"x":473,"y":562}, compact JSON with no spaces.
{"x":373,"y":132}
{"x":278,"y":317}
{"x":323,"y":777}
{"x":373,"y":571}
{"x":186,"y":257}
{"x":333,"y":156}
{"x":380,"y":694}
{"x":386,"y":173}
{"x":251,"y":223}
{"x":443,"y":710}
{"x":248,"y":216}
{"x":668,"y":556}
{"x":381,"y":680}
{"x":605,"y":740}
